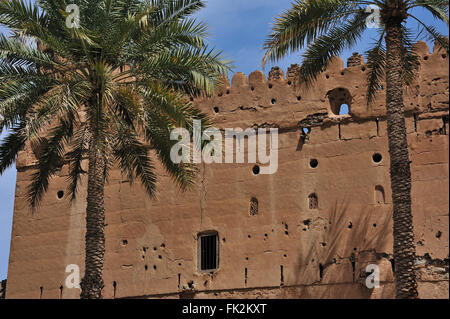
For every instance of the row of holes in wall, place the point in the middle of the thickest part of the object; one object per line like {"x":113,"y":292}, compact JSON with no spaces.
{"x":340,"y":100}
{"x":341,"y":109}
{"x":252,"y":88}
{"x":272,"y":101}
{"x":208,"y":251}
{"x":314,"y":163}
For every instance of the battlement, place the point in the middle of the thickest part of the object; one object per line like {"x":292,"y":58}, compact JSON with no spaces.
{"x":279,"y":101}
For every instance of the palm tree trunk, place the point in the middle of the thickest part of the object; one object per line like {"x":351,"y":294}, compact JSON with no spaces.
{"x":404,"y":247}
{"x":92,"y":283}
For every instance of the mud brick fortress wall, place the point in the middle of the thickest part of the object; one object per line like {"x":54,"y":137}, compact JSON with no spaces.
{"x":308,"y":231}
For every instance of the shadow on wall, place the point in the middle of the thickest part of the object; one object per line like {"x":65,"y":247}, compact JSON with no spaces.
{"x":352,"y":237}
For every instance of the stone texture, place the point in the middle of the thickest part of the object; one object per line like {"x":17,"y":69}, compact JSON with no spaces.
{"x":292,"y":72}
{"x":276,"y":74}
{"x":355,"y":60}
{"x":286,"y":250}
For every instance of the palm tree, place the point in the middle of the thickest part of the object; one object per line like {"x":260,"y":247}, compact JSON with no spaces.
{"x":109,"y":91}
{"x":326,"y":28}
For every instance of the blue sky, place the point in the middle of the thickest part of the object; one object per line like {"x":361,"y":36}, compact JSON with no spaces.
{"x":239,"y":28}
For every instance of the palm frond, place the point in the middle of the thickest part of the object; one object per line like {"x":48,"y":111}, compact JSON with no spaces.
{"x":305,"y":22}
{"x":18,"y":14}
{"x":338,"y":38}
{"x":157,"y":132}
{"x":376,"y":62}
{"x":410,"y":59}
{"x":48,"y":163}
{"x":433,"y":35}
{"x":164,"y":100}
{"x":15,"y":51}
{"x":133,"y":158}
{"x":170,"y":10}
{"x":10,"y":147}
{"x":438,"y":8}
{"x":120,"y":81}
{"x":190,"y":69}
{"x":79,"y":145}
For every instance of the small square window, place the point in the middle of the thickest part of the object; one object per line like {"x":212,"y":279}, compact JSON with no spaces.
{"x":208,"y":251}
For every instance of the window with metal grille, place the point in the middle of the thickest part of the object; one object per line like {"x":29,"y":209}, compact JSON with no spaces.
{"x":313,"y":201}
{"x":253,"y":206}
{"x":209,"y":251}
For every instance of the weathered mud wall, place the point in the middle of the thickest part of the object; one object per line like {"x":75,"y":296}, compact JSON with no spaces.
{"x":289,"y":247}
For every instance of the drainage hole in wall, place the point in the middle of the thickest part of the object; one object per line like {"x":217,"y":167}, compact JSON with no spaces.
{"x":377,"y":157}
{"x":313,"y":163}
